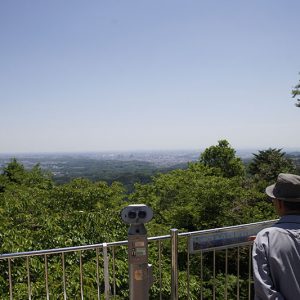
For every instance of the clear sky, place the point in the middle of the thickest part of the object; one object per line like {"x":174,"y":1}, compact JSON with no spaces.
{"x":95,"y":75}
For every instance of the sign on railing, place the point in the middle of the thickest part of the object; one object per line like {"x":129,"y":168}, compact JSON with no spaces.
{"x":226,"y":237}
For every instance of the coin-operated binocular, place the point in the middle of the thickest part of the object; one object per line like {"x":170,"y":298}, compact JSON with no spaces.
{"x":140,"y":272}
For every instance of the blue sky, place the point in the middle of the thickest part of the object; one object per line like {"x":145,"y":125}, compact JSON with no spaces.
{"x":148,"y":75}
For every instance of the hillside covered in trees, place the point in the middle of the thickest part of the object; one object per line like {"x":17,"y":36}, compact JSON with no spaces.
{"x":217,"y":190}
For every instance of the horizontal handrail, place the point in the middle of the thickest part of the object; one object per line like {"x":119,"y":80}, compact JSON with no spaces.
{"x":59,"y":250}
{"x":224,"y":229}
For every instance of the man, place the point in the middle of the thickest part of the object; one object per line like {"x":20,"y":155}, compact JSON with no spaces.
{"x":276,"y":250}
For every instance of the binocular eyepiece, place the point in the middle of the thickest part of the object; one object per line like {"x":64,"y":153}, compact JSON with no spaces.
{"x":137,"y":214}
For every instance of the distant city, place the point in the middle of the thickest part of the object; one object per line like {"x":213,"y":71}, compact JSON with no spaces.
{"x":121,"y":166}
{"x":158,"y":158}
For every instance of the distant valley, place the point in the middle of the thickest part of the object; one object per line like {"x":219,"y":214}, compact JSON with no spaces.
{"x":126,"y":167}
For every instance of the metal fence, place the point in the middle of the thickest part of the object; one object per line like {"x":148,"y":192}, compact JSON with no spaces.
{"x":220,"y":268}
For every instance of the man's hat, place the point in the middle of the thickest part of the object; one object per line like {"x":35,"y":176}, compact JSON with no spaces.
{"x":286,"y":188}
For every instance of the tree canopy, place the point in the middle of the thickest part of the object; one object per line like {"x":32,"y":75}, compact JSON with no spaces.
{"x":267,"y":164}
{"x":296,"y":92}
{"x":222,"y":157}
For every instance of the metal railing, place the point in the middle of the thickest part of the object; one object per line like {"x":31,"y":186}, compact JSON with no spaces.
{"x":99,"y":271}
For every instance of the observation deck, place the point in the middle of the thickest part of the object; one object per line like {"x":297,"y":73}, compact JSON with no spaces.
{"x":207,"y":264}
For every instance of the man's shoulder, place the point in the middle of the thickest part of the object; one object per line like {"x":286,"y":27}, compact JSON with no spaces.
{"x":269,"y":231}
{"x":285,"y":225}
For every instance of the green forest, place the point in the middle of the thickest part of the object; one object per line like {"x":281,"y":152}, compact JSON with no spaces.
{"x":217,"y":190}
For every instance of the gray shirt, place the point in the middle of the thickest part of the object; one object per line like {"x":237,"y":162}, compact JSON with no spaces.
{"x":276,"y":260}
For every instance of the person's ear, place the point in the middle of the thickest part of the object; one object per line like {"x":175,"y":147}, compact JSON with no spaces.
{"x":279,"y":204}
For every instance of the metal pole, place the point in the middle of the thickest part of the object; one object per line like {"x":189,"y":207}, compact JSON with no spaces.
{"x":160,"y":270}
{"x":64,"y":275}
{"x":250,"y":268}
{"x":97,"y":273}
{"x":214,"y":274}
{"x":28,"y":278}
{"x":81,"y":275}
{"x":46,"y":278}
{"x":201,"y":275}
{"x":106,"y":272}
{"x":238,"y":274}
{"x":226,"y":274}
{"x":10,"y":280}
{"x":188,"y":268}
{"x":174,"y":275}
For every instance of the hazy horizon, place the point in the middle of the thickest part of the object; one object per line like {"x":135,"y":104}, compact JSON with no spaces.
{"x":238,"y":150}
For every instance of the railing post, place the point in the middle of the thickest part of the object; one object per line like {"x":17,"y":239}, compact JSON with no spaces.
{"x":10,"y":280}
{"x":174,"y":275}
{"x":106,"y":272}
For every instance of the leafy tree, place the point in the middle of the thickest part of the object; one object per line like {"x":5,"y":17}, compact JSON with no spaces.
{"x":267,"y":164}
{"x":197,"y":198}
{"x":223,"y":157}
{"x":296,"y":92}
{"x":82,"y":194}
{"x":14,"y":171}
